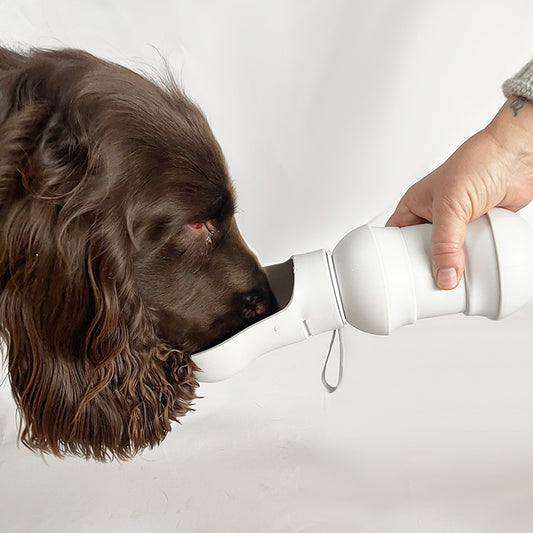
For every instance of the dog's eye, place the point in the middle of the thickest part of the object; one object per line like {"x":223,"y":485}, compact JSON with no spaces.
{"x":204,"y":231}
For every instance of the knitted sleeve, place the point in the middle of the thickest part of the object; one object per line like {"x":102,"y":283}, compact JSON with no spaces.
{"x":521,"y":84}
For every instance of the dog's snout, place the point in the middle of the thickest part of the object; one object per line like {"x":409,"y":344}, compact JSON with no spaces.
{"x":253,"y":305}
{"x":257,"y":304}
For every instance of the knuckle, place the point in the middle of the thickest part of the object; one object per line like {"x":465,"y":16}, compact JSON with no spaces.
{"x":453,"y":205}
{"x":445,"y":249}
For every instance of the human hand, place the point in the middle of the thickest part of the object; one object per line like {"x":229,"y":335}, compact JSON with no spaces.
{"x":494,"y":168}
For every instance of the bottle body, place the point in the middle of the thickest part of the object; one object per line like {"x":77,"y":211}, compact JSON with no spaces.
{"x":385,"y":276}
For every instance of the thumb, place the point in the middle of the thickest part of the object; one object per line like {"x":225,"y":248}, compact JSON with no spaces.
{"x":447,"y":256}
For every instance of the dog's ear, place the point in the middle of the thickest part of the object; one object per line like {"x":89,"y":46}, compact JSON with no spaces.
{"x":134,"y":383}
{"x":88,"y":372}
{"x":87,"y":369}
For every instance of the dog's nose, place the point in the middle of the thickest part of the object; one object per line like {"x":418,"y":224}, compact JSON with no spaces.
{"x":257,"y":304}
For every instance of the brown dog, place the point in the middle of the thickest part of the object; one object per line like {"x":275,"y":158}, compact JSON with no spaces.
{"x":119,"y":252}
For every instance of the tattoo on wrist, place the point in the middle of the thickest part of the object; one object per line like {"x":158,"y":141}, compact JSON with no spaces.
{"x":517,"y":104}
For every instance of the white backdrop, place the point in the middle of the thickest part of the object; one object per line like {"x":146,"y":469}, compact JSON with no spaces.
{"x":327,"y":111}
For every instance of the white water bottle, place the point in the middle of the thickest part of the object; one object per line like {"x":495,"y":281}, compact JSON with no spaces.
{"x":378,"y":279}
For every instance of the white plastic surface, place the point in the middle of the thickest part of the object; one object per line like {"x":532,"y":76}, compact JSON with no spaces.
{"x":482,"y":274}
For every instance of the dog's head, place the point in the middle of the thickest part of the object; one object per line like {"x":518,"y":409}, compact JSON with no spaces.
{"x":119,"y":252}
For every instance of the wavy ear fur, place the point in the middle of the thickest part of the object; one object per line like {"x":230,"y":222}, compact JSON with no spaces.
{"x":88,"y":372}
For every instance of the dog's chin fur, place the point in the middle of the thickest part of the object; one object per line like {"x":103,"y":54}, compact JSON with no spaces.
{"x":119,"y":253}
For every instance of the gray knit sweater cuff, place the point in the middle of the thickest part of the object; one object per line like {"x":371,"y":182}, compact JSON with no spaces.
{"x":521,"y":84}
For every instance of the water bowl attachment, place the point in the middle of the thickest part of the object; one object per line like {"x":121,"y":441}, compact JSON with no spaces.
{"x":309,"y":304}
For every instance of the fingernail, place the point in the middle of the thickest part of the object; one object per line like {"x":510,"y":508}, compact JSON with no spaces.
{"x":447,"y":278}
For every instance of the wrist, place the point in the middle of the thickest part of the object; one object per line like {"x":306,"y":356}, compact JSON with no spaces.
{"x":511,"y":131}
{"x":512,"y":127}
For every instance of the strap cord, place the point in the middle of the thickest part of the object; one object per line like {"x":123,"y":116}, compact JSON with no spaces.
{"x":332,"y":388}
